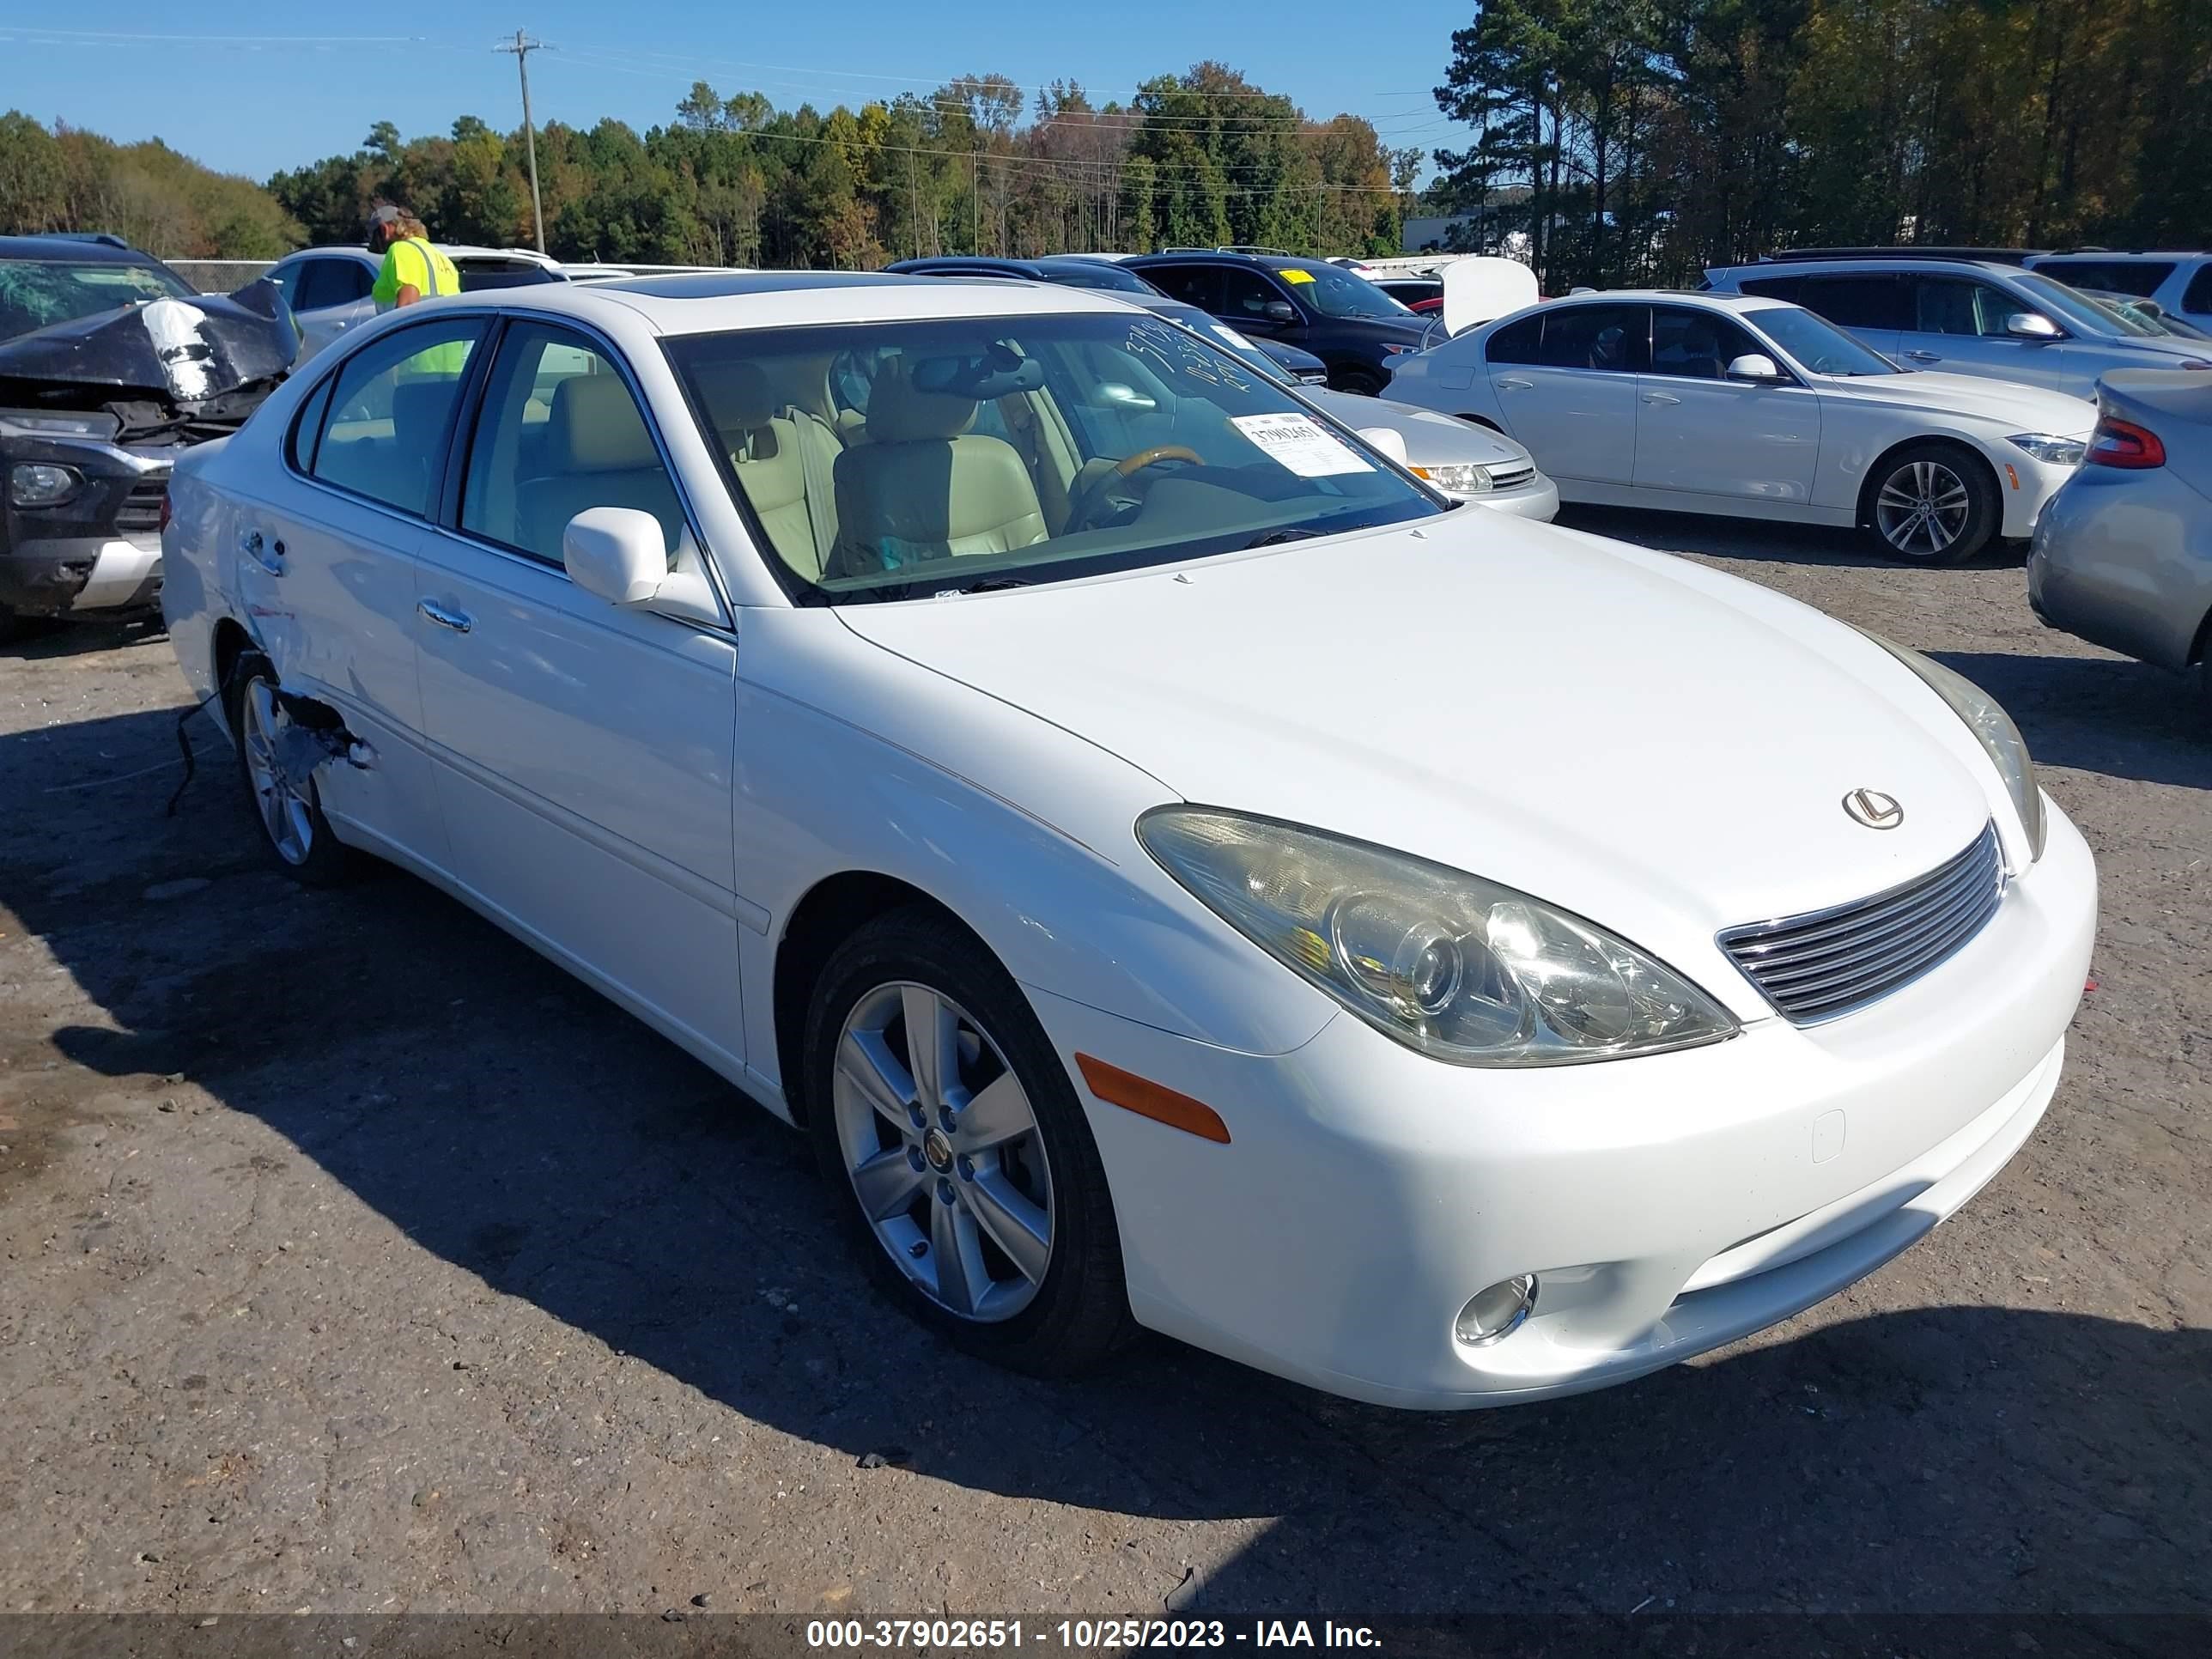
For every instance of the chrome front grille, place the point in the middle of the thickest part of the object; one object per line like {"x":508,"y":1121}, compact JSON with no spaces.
{"x":1826,"y":962}
{"x":1510,"y":477}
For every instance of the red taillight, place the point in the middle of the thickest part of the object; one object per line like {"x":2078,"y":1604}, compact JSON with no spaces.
{"x":2122,"y":443}
{"x":165,"y":507}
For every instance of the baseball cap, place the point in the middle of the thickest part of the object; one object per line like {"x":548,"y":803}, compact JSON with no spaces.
{"x":389,"y":214}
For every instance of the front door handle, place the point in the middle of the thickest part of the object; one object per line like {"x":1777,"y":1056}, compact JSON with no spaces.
{"x":270,"y":556}
{"x":1512,"y":383}
{"x":1661,"y":397}
{"x":459,"y":621}
{"x":1925,"y":356}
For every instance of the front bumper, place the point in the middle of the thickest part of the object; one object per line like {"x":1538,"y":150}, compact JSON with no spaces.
{"x":2025,"y":486}
{"x":101,"y":550}
{"x":1667,"y":1205}
{"x":1538,"y":499}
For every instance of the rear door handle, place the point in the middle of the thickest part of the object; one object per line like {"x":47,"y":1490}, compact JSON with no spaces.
{"x":270,"y":556}
{"x":1513,"y":383}
{"x":1661,"y":397}
{"x":1925,"y":356}
{"x":459,"y":621}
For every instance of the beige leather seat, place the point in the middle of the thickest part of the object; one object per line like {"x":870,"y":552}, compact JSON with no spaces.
{"x":924,"y":487}
{"x":768,"y":453}
{"x":598,"y":453}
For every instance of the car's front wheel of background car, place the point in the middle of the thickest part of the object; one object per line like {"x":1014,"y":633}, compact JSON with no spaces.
{"x":288,"y":816}
{"x":957,"y":1152}
{"x":1932,"y":503}
{"x":1365,"y":382}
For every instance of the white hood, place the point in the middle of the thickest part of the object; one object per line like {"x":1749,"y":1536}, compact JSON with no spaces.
{"x":1661,"y":748}
{"x":2008,"y":404}
{"x":1431,"y":440}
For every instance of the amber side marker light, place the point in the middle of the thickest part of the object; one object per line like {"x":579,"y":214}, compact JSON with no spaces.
{"x":1153,"y":1100}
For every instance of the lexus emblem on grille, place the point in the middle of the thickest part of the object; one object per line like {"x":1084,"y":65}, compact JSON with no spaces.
{"x":1873,"y":809}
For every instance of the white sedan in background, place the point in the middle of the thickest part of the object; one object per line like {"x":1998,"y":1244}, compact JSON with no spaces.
{"x":1724,"y":403}
{"x":999,"y":734}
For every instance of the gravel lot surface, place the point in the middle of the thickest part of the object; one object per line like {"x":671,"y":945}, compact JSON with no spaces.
{"x":353,"y":1258}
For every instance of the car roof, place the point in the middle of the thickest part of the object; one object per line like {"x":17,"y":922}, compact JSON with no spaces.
{"x":464,"y":250}
{"x":1671,"y":296}
{"x":716,"y":302}
{"x":1872,"y":262}
{"x":75,"y":250}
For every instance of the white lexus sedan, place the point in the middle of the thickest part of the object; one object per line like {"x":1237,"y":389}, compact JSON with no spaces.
{"x":1725,"y":403}
{"x":1004,"y":736}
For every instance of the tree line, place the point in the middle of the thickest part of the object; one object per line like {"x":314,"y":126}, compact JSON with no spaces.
{"x":1619,"y":142}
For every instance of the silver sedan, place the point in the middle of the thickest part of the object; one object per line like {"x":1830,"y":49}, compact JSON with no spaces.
{"x":2122,"y":555}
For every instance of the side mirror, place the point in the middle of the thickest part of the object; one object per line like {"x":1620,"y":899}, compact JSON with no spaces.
{"x":1388,"y":439}
{"x":1281,"y":311}
{"x":1755,"y":368}
{"x":2031,"y":326}
{"x":616,"y":552}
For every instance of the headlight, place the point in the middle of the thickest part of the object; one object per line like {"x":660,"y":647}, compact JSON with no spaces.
{"x":1989,"y":722}
{"x":1458,"y":968}
{"x":40,"y":483}
{"x":1397,"y":350}
{"x":1467,"y":480}
{"x":2058,"y":451}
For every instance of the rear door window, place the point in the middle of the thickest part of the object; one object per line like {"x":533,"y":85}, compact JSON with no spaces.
{"x":2141,"y":277}
{"x":390,"y":412}
{"x":1517,"y":342}
{"x":1612,"y":338}
{"x":1195,"y":285}
{"x":1869,"y":302}
{"x":1791,"y":288}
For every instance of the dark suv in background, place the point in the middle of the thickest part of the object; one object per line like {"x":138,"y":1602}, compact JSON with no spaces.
{"x":110,"y":363}
{"x":1344,"y":320}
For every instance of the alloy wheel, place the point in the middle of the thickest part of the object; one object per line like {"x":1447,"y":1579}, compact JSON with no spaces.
{"x":1923,"y":509}
{"x":942,"y":1146}
{"x":286,"y":813}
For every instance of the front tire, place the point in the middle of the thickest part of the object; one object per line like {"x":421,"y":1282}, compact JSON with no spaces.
{"x":1365,"y":382}
{"x":293,"y":832}
{"x":1932,"y":503}
{"x":947,"y":1125}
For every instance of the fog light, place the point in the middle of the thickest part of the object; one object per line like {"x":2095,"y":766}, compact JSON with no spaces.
{"x":1492,"y":1315}
{"x":38,"y":484}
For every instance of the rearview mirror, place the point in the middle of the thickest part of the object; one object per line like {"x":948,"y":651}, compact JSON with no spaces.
{"x":2031,"y":326}
{"x":616,"y":552}
{"x":1755,"y":368}
{"x":1388,"y":439}
{"x":1281,"y":311}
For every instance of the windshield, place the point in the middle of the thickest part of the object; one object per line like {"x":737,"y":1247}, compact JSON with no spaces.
{"x":2075,"y":309}
{"x":1098,"y":273}
{"x":1817,"y":343}
{"x":1335,"y":292}
{"x":2127,"y":316}
{"x":40,"y":293}
{"x":892,"y":460}
{"x":1242,"y":349}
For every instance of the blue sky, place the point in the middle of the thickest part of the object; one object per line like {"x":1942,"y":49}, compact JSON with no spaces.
{"x":253,"y":105}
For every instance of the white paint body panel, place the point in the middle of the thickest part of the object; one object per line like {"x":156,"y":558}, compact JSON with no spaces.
{"x":1799,"y":452}
{"x":1640,"y":739}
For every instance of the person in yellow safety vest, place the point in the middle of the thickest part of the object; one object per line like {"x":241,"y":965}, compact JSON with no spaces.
{"x":414,"y":269}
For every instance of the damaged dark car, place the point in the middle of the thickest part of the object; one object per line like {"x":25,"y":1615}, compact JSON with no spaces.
{"x":110,"y":364}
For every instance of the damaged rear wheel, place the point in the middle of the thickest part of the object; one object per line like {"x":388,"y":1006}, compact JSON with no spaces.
{"x":280,"y":784}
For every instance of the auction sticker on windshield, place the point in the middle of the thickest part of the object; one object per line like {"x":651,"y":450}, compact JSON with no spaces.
{"x":1299,"y":445}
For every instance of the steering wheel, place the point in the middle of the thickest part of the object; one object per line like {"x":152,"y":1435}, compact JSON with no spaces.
{"x":1080,"y":511}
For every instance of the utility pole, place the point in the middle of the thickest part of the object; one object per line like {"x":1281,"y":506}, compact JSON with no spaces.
{"x":522,"y":45}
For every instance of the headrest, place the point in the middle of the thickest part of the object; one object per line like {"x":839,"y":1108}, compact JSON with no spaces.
{"x":737,"y":396}
{"x":420,"y":406}
{"x":898,"y":414}
{"x":595,"y":427}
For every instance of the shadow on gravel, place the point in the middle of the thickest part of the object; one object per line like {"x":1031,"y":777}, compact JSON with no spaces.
{"x":1756,"y":540}
{"x":2127,"y":720}
{"x":516,"y":1126}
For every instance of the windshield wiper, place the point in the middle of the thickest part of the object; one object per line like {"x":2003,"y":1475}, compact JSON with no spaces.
{"x":1277,"y":538}
{"x":988,"y":585}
